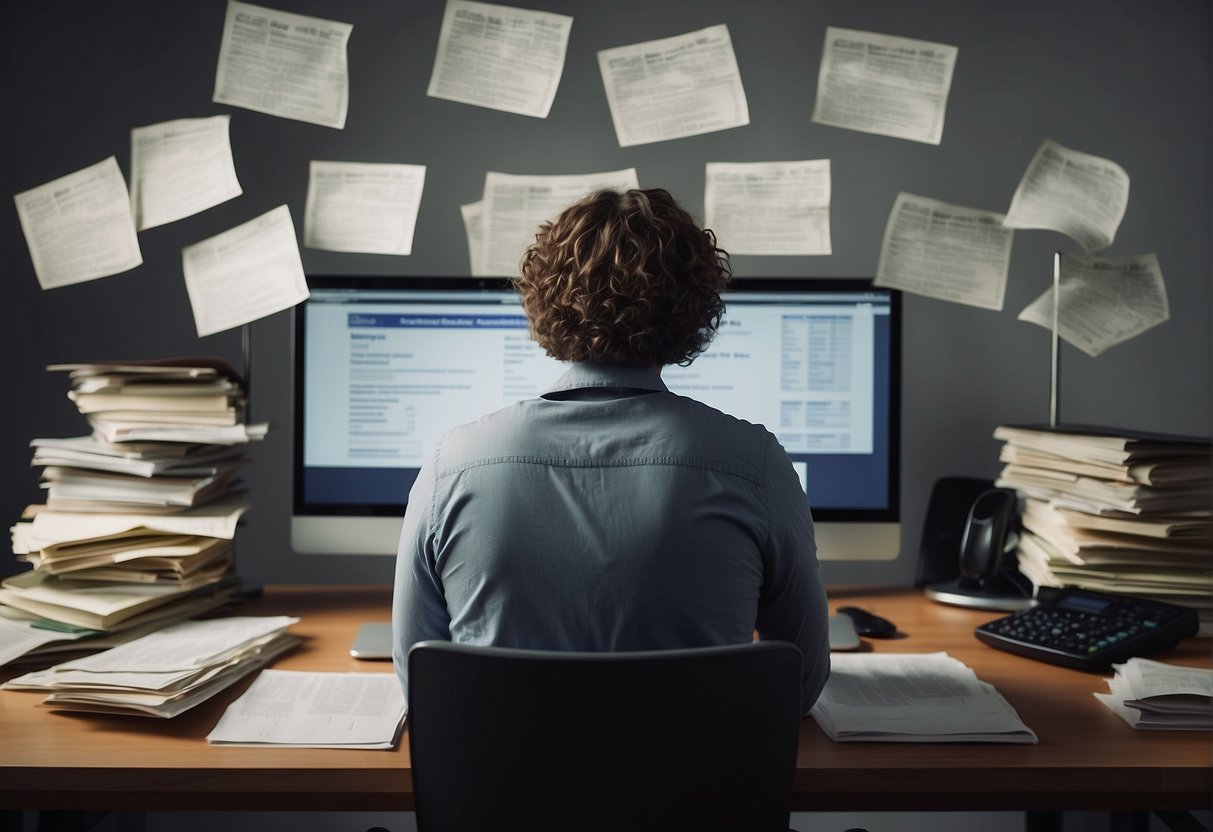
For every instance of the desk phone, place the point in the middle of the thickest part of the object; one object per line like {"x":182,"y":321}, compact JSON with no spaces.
{"x":1089,"y":630}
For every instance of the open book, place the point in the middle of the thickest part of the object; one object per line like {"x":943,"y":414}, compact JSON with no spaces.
{"x":913,"y":697}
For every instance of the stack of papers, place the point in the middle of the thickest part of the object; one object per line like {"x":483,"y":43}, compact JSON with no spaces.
{"x":913,"y":697}
{"x":139,"y":516}
{"x":1165,"y":697}
{"x":164,"y":673}
{"x":315,"y":710}
{"x":1114,"y":511}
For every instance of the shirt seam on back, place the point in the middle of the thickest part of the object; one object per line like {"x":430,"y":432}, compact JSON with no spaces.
{"x":757,"y":478}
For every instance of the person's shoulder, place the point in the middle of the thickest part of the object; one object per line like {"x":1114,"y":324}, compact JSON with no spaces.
{"x":488,"y":436}
{"x":727,"y":432}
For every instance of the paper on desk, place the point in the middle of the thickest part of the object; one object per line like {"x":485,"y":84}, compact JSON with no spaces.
{"x":189,"y":645}
{"x":945,"y":251}
{"x":473,"y":227}
{"x":500,"y":57}
{"x":674,"y":87}
{"x":363,"y":207}
{"x":915,"y":697}
{"x":179,"y":168}
{"x":245,"y":273}
{"x":1154,"y":695}
{"x":883,"y":84}
{"x":1104,"y":300}
{"x":515,"y":206}
{"x":769,"y":207}
{"x":78,"y":227}
{"x":315,"y":710}
{"x":20,"y":637}
{"x":1080,"y":195}
{"x":283,"y":64}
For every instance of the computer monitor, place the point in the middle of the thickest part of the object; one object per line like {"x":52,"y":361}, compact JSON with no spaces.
{"x":385,"y":365}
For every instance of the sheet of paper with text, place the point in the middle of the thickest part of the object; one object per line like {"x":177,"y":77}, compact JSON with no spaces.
{"x":1080,"y":195}
{"x":674,"y":87}
{"x":179,"y":168}
{"x":1104,"y":300}
{"x":500,"y":57}
{"x":769,"y":207}
{"x":945,"y":251}
{"x":362,"y":207}
{"x":882,"y":84}
{"x":245,"y":273}
{"x":284,"y":64}
{"x":78,"y":227}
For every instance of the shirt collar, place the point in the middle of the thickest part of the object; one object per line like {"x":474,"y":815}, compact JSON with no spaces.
{"x":586,"y":374}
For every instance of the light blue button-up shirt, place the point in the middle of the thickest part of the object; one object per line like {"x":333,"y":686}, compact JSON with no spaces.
{"x":610,"y":514}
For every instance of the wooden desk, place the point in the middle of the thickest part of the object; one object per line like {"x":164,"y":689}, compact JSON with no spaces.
{"x":1087,"y":757}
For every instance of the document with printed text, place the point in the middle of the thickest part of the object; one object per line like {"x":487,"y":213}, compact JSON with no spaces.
{"x":500,"y":57}
{"x":769,"y":207}
{"x":179,"y":168}
{"x":945,"y":251}
{"x":362,"y":207}
{"x":674,"y":87}
{"x":245,"y":273}
{"x":284,"y":64}
{"x":883,"y":84}
{"x":78,"y":227}
{"x":1080,"y":195}
{"x":315,"y":710}
{"x":913,"y":697}
{"x":1104,"y":300}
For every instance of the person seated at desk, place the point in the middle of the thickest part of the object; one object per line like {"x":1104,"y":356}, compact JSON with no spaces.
{"x":610,"y":514}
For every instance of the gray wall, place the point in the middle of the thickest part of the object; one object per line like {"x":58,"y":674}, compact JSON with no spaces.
{"x":1123,"y":79}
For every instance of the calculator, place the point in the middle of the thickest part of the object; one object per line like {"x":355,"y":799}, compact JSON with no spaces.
{"x":1089,"y":630}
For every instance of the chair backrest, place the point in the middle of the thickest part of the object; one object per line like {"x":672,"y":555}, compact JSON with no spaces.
{"x":701,"y":739}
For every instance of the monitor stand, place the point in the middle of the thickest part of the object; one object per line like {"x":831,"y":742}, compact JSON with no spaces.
{"x":1007,"y":590}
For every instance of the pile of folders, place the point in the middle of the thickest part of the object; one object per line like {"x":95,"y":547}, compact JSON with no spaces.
{"x":136,"y":531}
{"x":1114,"y":512}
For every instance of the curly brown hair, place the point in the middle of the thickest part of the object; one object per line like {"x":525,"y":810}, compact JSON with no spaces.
{"x":624,"y":277}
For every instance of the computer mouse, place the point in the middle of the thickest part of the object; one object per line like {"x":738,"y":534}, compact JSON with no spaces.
{"x":868,"y":623}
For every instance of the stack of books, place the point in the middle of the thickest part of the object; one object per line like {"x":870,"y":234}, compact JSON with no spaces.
{"x":1114,"y":512}
{"x":139,"y":517}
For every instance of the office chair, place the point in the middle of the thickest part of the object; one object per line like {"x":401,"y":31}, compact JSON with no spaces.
{"x":701,"y":739}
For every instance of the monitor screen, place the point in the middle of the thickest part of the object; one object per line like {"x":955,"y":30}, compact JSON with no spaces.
{"x":384,"y":366}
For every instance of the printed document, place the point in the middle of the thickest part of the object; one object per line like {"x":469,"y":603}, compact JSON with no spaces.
{"x":1166,"y":697}
{"x":883,"y":84}
{"x":284,"y":64}
{"x":179,"y":168}
{"x":945,"y":251}
{"x":245,"y":273}
{"x":913,"y":697}
{"x":79,"y":227}
{"x":674,"y":87}
{"x":19,"y":637}
{"x":769,"y":207}
{"x":315,"y":710}
{"x":1104,"y":300}
{"x":1080,"y":195}
{"x":362,"y":207}
{"x":500,"y":57}
{"x":473,"y":227}
{"x":515,"y":206}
